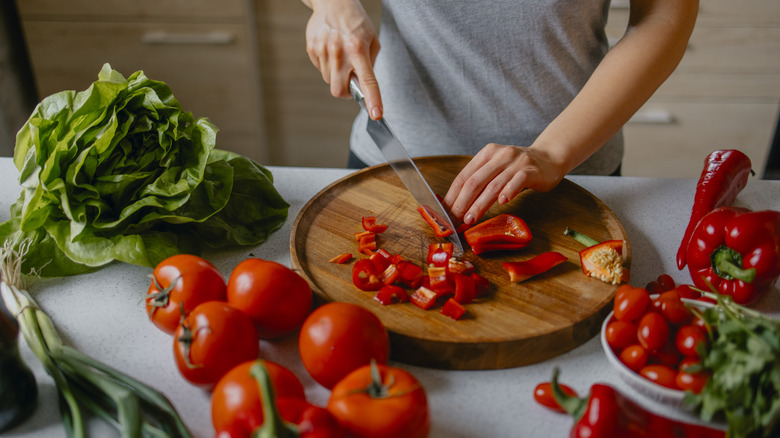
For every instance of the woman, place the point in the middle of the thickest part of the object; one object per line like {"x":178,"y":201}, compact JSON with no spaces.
{"x":530,"y":88}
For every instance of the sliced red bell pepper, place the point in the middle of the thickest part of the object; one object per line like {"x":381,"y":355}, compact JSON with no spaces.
{"x":453,"y":309}
{"x":523,"y":270}
{"x":465,"y":288}
{"x":365,"y":275}
{"x":481,"y":284}
{"x":390,"y":275}
{"x":458,"y":266}
{"x":367,"y":243}
{"x":504,"y":228}
{"x":604,"y":260}
{"x":737,"y":251}
{"x":360,"y":234}
{"x":439,"y":253}
{"x":342,"y":258}
{"x":423,"y":298}
{"x":382,"y":259}
{"x":386,"y":294}
{"x":479,"y":248}
{"x":436,"y":223}
{"x":369,"y":224}
{"x":411,"y":274}
{"x":439,"y":281}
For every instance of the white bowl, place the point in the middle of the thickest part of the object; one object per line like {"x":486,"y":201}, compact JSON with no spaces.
{"x":653,"y":391}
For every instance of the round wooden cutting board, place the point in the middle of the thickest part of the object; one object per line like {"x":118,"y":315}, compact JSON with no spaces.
{"x":516,"y":323}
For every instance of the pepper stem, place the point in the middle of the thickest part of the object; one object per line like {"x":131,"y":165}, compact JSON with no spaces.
{"x":574,"y":406}
{"x":727,"y":263}
{"x":579,"y":237}
{"x":273,"y":424}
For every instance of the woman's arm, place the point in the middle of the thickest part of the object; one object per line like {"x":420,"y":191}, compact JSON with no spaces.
{"x":340,"y":41}
{"x":649,"y":51}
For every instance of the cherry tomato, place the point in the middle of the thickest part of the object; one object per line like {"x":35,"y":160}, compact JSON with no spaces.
{"x":630,"y":303}
{"x":179,"y":283}
{"x":673,"y":309}
{"x":634,"y":357}
{"x":211,"y":340}
{"x":235,"y":402}
{"x":660,"y":374}
{"x":391,"y":403}
{"x":688,"y":380}
{"x":543,"y":395}
{"x":689,"y":339}
{"x":663,"y":283}
{"x":620,"y":334}
{"x":338,"y":338}
{"x":273,"y":295}
{"x":653,"y":331}
{"x":687,"y":291}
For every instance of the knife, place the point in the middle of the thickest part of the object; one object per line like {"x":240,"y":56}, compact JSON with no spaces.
{"x":404,"y":166}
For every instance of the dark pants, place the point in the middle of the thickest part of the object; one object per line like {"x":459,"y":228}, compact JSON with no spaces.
{"x":353,"y":162}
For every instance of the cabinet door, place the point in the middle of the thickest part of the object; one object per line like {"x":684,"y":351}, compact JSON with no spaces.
{"x":209,"y":67}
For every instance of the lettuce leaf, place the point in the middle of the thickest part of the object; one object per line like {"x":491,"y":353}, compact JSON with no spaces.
{"x":121,"y":172}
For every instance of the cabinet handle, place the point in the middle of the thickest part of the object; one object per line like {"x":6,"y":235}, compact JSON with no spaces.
{"x":211,"y":38}
{"x":657,"y":117}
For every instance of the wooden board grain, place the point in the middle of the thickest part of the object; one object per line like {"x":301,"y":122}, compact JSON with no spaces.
{"x":516,"y":323}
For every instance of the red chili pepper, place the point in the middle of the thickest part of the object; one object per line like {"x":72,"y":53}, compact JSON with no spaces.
{"x":737,"y":251}
{"x":369,"y":224}
{"x":601,"y":260}
{"x":606,"y":413}
{"x":342,"y":258}
{"x":724,"y":175}
{"x":292,"y":417}
{"x":439,"y":229}
{"x":523,"y":270}
{"x":501,"y":232}
{"x":453,"y":309}
{"x":365,"y":275}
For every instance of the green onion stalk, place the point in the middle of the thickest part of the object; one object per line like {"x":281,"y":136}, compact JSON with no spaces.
{"x":86,"y":387}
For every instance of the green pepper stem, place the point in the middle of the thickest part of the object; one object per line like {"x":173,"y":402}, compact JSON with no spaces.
{"x":574,"y":406}
{"x":579,"y":237}
{"x":727,"y":263}
{"x":273,"y":424}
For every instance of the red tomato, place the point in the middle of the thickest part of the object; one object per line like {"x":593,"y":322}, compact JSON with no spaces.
{"x":673,"y":309}
{"x":668,"y":355}
{"x":235,"y":402}
{"x":687,"y":291}
{"x":630,"y":303}
{"x":211,"y":340}
{"x":634,"y":357}
{"x":273,"y":295}
{"x":179,"y":284}
{"x":688,"y":380}
{"x":338,"y":338}
{"x":620,"y":334}
{"x":395,"y":406}
{"x":660,"y":374}
{"x":688,"y":340}
{"x":543,"y":394}
{"x":653,"y":331}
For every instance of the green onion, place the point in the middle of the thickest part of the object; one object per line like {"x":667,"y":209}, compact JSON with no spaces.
{"x":85,"y":386}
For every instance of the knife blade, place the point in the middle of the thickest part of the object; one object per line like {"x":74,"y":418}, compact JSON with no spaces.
{"x":405,"y":167}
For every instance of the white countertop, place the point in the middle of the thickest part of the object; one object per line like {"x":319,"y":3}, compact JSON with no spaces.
{"x":102,"y":314}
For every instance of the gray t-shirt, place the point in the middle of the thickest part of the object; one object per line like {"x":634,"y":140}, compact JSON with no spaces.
{"x":457,"y":75}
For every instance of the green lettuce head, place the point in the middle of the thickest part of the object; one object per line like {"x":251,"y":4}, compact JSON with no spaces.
{"x":120,"y":172}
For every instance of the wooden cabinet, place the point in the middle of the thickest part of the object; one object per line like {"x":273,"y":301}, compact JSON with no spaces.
{"x":724,"y":94}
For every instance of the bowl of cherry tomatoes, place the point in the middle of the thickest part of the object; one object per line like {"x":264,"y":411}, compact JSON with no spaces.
{"x":654,"y":338}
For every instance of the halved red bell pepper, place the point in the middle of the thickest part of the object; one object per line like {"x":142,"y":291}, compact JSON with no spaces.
{"x":604,"y":260}
{"x":737,"y":251}
{"x":369,"y":224}
{"x":453,"y":309}
{"x":501,"y":232}
{"x":423,"y":298}
{"x":523,"y":270}
{"x":386,"y":294}
{"x":436,"y":223}
{"x":365,"y":275}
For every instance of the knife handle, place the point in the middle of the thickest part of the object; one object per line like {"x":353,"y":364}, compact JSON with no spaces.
{"x":354,"y":90}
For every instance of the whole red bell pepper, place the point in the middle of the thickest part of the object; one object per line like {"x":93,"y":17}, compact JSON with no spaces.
{"x":737,"y":251}
{"x":606,"y":413}
{"x":502,"y":232}
{"x":724,"y":175}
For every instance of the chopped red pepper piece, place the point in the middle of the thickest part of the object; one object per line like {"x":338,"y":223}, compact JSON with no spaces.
{"x":457,"y":266}
{"x":479,"y":248}
{"x":369,"y":224}
{"x":423,"y":298}
{"x":465,"y":288}
{"x":439,"y":280}
{"x":342,"y":258}
{"x":482,"y":285}
{"x":439,"y":253}
{"x":390,"y":275}
{"x":367,"y":243}
{"x":453,"y":309}
{"x":504,"y":228}
{"x":523,"y":270}
{"x":437,"y":224}
{"x":411,"y":274}
{"x":360,"y":234}
{"x":386,"y":294}
{"x":365,"y":275}
{"x":382,"y":259}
